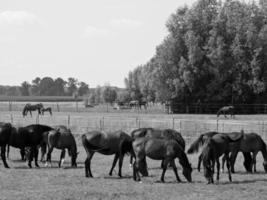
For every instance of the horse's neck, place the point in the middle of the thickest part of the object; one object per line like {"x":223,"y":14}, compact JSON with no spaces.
{"x":183,"y":160}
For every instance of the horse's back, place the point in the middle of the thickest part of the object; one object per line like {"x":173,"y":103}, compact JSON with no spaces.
{"x":252,"y":142}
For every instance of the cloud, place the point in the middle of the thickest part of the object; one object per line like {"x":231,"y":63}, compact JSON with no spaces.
{"x":92,"y":31}
{"x":18,"y":18}
{"x":125,"y":23}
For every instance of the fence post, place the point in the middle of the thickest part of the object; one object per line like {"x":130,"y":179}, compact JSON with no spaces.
{"x":58,"y":107}
{"x":180,"y":126}
{"x":217,"y":125}
{"x":11,"y":118}
{"x":173,"y":123}
{"x":100,"y":124}
{"x":37,"y":118}
{"x":103,"y":124}
{"x":68,"y":121}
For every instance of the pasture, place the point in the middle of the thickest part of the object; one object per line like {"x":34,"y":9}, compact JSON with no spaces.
{"x":20,"y":182}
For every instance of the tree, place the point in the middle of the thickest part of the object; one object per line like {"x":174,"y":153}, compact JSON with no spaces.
{"x":83,"y":88}
{"x":25,"y":89}
{"x":109,"y":94}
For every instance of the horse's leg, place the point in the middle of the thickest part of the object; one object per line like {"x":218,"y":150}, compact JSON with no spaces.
{"x":247,"y":161}
{"x":48,"y":156}
{"x":3,"y":155}
{"x":7,"y":153}
{"x":223,"y":162}
{"x":218,"y":168}
{"x":165,"y":165}
{"x":121,"y":156}
{"x":228,"y":164}
{"x":114,"y":163}
{"x":36,"y":151}
{"x":232,"y":159}
{"x":31,"y":157}
{"x":61,"y":159}
{"x":43,"y":151}
{"x":87,"y":164}
{"x":22,"y":154}
{"x":175,"y":171}
{"x":199,"y":162}
{"x":254,"y":154}
{"x":136,"y":175}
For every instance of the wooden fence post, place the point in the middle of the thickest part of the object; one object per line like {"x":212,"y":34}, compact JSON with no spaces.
{"x":173,"y":123}
{"x":68,"y":121}
{"x":11,"y":118}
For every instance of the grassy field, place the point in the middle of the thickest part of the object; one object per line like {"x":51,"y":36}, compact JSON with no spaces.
{"x":20,"y":182}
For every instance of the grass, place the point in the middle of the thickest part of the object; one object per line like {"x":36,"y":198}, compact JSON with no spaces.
{"x":20,"y":182}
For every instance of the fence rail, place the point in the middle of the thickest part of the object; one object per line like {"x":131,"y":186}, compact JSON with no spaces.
{"x":189,"y":128}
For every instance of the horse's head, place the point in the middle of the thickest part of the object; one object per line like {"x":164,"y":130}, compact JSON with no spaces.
{"x":208,"y":172}
{"x":187,"y":172}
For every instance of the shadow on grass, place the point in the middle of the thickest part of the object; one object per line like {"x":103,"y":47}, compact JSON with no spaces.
{"x":244,"y":181}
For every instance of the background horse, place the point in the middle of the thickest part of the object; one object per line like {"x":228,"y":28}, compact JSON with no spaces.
{"x":118,"y":143}
{"x":31,"y":136}
{"x":29,"y":108}
{"x":62,"y":138}
{"x":48,"y":109}
{"x":215,"y":147}
{"x":160,"y":149}
{"x":226,"y":110}
{"x":250,"y":143}
{"x":203,"y":138}
{"x":158,"y":133}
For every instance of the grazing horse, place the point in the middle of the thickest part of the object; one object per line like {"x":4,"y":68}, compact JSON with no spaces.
{"x":250,"y":143}
{"x":29,"y":108}
{"x":158,"y":133}
{"x":31,"y":136}
{"x":62,"y":138}
{"x":226,"y":110}
{"x":159,"y":149}
{"x":118,"y":143}
{"x":203,"y":138}
{"x":48,"y":109}
{"x":5,"y":132}
{"x":215,"y":147}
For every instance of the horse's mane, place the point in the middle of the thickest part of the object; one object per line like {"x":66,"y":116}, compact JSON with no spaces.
{"x":194,"y":148}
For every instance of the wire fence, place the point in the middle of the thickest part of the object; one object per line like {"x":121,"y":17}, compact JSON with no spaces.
{"x":190,"y":129}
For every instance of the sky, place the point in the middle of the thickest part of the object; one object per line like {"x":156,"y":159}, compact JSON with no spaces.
{"x":96,"y":41}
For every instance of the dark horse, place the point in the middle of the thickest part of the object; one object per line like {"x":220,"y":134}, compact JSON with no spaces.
{"x":29,"y":108}
{"x":5,"y":132}
{"x":158,"y":133}
{"x":62,"y":138}
{"x":226,"y":110}
{"x":48,"y":109}
{"x":250,"y":143}
{"x":31,"y":136}
{"x":159,"y":149}
{"x":215,"y":147}
{"x":203,"y":138}
{"x":118,"y":143}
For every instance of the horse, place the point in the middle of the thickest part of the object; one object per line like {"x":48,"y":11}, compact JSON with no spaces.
{"x":29,"y":108}
{"x":158,"y":133}
{"x":118,"y":143}
{"x":251,"y":142}
{"x":138,"y":104}
{"x":215,"y":147}
{"x":48,"y":109}
{"x":62,"y":138}
{"x":31,"y":136}
{"x":159,"y":149}
{"x":5,"y":132}
{"x":203,"y":138}
{"x":226,"y":110}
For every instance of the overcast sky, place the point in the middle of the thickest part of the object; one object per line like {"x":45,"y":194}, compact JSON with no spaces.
{"x":96,"y":41}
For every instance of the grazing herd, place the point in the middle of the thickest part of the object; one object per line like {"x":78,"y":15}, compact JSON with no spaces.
{"x":164,"y":145}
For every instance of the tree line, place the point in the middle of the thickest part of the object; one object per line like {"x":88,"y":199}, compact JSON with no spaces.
{"x":47,"y":86}
{"x":215,"y":51}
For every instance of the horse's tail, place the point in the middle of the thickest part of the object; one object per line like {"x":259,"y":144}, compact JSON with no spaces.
{"x":196,"y":145}
{"x":263,"y":144}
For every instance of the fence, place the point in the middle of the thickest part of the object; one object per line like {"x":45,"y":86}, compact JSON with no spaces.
{"x":189,"y":128}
